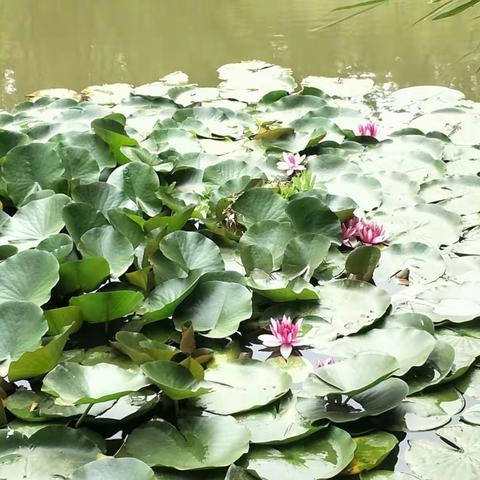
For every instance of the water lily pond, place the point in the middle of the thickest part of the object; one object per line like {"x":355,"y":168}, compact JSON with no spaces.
{"x":264,"y":279}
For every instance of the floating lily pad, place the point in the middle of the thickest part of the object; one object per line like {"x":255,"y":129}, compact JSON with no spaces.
{"x":278,"y":423}
{"x":65,"y":448}
{"x":243,"y":385}
{"x":424,"y":411}
{"x":424,"y":263}
{"x":114,"y":469}
{"x":94,"y":384}
{"x":378,"y":399}
{"x":350,"y":376}
{"x":176,"y":381}
{"x":221,"y":439}
{"x":321,"y":456}
{"x":350,"y":305}
{"x":411,"y":347}
{"x":456,"y":456}
{"x":35,"y":222}
{"x":28,"y":277}
{"x":371,"y":450}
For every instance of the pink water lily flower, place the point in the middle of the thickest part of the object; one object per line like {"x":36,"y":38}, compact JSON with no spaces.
{"x":292,"y":162}
{"x":327,"y":361}
{"x":370,"y":233}
{"x":349,"y":231}
{"x":285,"y":334}
{"x":368,"y":129}
{"x":355,"y":230}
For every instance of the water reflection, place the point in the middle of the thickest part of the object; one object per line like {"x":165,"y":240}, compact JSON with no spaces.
{"x":66,"y":43}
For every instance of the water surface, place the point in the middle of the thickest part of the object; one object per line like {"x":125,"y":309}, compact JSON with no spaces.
{"x":72,"y":43}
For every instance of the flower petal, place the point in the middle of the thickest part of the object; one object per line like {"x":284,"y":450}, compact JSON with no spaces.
{"x":286,"y":350}
{"x":270,"y":340}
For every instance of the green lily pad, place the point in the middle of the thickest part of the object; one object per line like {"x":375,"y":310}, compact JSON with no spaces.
{"x":242,"y":385}
{"x":52,"y":451}
{"x":192,"y":251}
{"x":259,"y":204}
{"x":304,"y":254}
{"x":107,"y":243}
{"x":421,"y":223}
{"x":458,"y":456}
{"x":268,"y":235}
{"x":79,"y":164}
{"x":466,"y":345}
{"x":371,"y":450}
{"x":98,"y":307}
{"x":278,"y":423}
{"x":350,"y":305}
{"x":94,"y":384}
{"x":42,"y":359}
{"x":424,"y":411}
{"x":28,"y":277}
{"x":176,"y":381}
{"x":424,"y":263}
{"x":309,"y":215}
{"x":350,"y":376}
{"x":449,"y":301}
{"x":321,"y":456}
{"x":279,"y":288}
{"x":411,"y":347}
{"x":198,"y":442}
{"x":166,"y":297}
{"x":215,"y":308}
{"x":38,"y":407}
{"x":434,"y":370}
{"x":362,"y":262}
{"x":140,"y":183}
{"x":378,"y":399}
{"x":142,"y":349}
{"x":114,"y":469}
{"x":35,"y":222}
{"x":23,"y":326}
{"x":30,"y":168}
{"x":60,"y":245}
{"x":84,"y":275}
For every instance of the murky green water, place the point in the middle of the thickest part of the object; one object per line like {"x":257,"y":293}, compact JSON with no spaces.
{"x":72,"y":43}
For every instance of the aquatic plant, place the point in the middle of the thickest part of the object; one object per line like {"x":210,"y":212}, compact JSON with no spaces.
{"x":147,"y":239}
{"x":355,"y":230}
{"x":368,"y":129}
{"x":286,"y":335}
{"x":292,"y":163}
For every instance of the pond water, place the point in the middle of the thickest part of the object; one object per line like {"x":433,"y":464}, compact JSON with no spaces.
{"x":67,"y":43}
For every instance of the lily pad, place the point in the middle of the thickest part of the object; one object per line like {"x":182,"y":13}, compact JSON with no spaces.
{"x":321,"y":456}
{"x":100,"y":307}
{"x":457,"y":456}
{"x":220,"y":439}
{"x":114,"y":469}
{"x":94,"y":384}
{"x":242,"y":385}
{"x":28,"y":277}
{"x":371,"y":450}
{"x":52,"y":451}
{"x":424,"y":411}
{"x":378,"y":399}
{"x":176,"y":381}
{"x":350,"y":305}
{"x":411,"y":347}
{"x":215,"y":308}
{"x":278,"y":423}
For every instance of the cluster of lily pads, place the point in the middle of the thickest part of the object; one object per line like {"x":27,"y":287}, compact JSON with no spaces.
{"x":257,"y":280}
